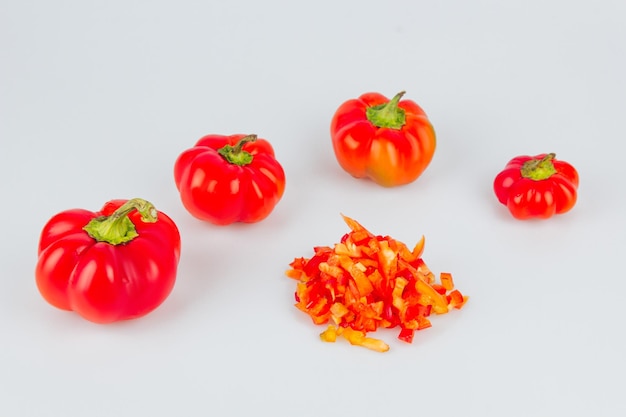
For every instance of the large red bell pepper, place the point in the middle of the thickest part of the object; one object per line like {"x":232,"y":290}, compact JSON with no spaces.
{"x":118,"y":263}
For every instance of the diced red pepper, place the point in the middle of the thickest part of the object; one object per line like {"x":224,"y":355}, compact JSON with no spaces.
{"x":367,"y":282}
{"x":406,"y":335}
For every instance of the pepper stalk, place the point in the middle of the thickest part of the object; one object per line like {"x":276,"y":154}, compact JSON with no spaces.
{"x":235,"y":154}
{"x":117,"y":228}
{"x":388,"y":114}
{"x":539,"y":169}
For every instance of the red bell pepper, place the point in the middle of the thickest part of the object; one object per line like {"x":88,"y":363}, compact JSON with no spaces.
{"x":116,"y":264}
{"x":227,"y":179}
{"x":390,"y":142}
{"x":537,"y":186}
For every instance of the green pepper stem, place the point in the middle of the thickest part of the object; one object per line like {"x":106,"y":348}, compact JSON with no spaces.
{"x":539,"y":169}
{"x":388,"y":114}
{"x":235,"y":154}
{"x":117,"y":228}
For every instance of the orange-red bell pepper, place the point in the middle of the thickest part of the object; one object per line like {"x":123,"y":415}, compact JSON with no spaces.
{"x":390,"y":142}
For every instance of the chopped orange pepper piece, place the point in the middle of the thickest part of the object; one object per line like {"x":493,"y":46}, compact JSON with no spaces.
{"x":446,"y":281}
{"x":367,"y":282}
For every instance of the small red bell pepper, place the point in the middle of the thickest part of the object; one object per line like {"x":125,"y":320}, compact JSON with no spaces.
{"x":537,"y":186}
{"x":390,"y":142}
{"x":119,"y":263}
{"x":227,"y":179}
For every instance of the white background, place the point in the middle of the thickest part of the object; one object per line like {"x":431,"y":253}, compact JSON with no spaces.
{"x":97,"y":99}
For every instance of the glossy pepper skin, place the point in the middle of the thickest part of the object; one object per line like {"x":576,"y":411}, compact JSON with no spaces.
{"x":537,"y":186}
{"x":115,"y":264}
{"x":390,"y":142}
{"x":227,"y":179}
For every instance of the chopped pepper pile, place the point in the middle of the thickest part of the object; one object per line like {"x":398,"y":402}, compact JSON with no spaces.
{"x":367,"y":282}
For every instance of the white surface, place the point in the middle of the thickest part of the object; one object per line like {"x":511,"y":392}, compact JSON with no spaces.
{"x":98,"y":98}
